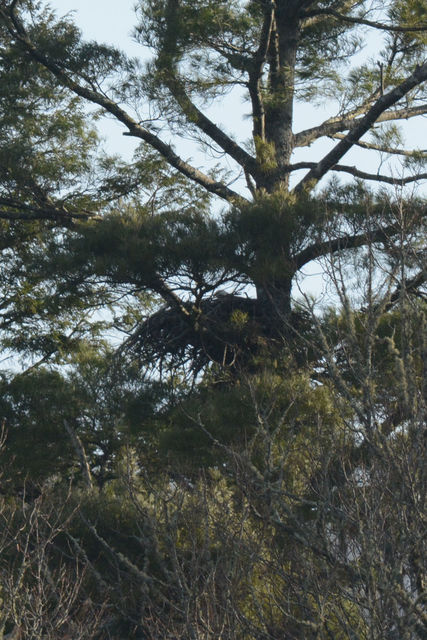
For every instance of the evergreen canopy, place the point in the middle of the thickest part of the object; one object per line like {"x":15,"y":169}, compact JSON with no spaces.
{"x":193,"y":447}
{"x":95,"y":229}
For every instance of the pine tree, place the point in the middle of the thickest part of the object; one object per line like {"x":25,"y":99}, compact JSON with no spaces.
{"x":242,"y":464}
{"x":153,"y":226}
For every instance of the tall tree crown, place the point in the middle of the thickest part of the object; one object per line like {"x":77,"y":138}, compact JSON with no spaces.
{"x":192,"y":447}
{"x":275,"y":218}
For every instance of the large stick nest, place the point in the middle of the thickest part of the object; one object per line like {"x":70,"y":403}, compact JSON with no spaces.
{"x":227,"y":329}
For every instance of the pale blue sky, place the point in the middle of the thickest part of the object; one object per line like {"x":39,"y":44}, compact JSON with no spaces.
{"x":112,"y":21}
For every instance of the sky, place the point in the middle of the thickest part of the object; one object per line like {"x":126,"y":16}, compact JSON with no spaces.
{"x":112,"y":21}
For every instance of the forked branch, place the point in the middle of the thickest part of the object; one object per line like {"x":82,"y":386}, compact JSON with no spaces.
{"x":355,"y":241}
{"x":362,"y":126}
{"x":135,"y":129}
{"x":382,"y":26}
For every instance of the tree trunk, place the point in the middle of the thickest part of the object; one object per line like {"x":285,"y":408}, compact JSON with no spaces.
{"x":279,"y":111}
{"x":274,"y":299}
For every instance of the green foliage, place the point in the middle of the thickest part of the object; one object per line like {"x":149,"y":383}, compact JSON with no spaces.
{"x":187,"y":451}
{"x":46,"y":141}
{"x":105,"y":407}
{"x":181,"y":38}
{"x":267,"y":230}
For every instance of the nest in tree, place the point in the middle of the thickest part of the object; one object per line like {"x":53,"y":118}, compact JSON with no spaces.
{"x":227,"y":329}
{"x":218,"y":330}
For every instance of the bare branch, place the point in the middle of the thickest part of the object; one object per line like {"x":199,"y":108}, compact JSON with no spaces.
{"x":354,"y":171}
{"x":368,"y":23}
{"x":362,"y":126}
{"x":385,"y":149}
{"x":344,"y":242}
{"x":81,"y":454}
{"x":134,"y":128}
{"x":377,"y":177}
{"x":345,"y":122}
{"x":139,"y":574}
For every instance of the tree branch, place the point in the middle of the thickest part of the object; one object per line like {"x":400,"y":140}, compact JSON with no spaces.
{"x":345,"y":242}
{"x":362,"y":126}
{"x":334,"y":125}
{"x":205,"y":124}
{"x":135,"y":129}
{"x":409,"y":285}
{"x":368,"y":23}
{"x":169,"y":296}
{"x":255,"y":73}
{"x":354,"y":171}
{"x":377,"y":176}
{"x":81,"y":454}
{"x":15,"y":210}
{"x":383,"y":149}
{"x":167,"y":63}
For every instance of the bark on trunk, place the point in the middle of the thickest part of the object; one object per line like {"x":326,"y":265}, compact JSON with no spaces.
{"x":274,"y":300}
{"x":279,"y":109}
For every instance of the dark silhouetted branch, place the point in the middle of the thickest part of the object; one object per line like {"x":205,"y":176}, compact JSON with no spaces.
{"x":344,"y":242}
{"x":348,"y":120}
{"x":367,"y":23}
{"x":362,"y":126}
